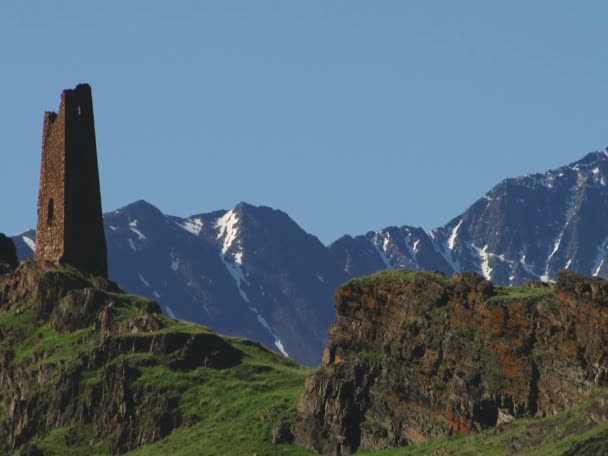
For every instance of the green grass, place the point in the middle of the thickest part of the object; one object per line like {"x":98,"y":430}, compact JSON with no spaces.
{"x":371,"y":356}
{"x":183,"y":327}
{"x":507,"y":294}
{"x":391,"y":276}
{"x":29,"y":340}
{"x":132,"y":305}
{"x":467,"y":332}
{"x":235,"y":408}
{"x":231,"y":411}
{"x":73,"y":441}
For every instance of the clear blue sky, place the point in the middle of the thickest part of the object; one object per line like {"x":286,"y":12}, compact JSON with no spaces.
{"x":348,"y":115}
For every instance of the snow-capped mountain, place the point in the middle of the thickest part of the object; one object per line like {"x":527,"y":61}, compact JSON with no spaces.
{"x":249,"y":272}
{"x":403,"y":247}
{"x":526,"y":228}
{"x":253,"y":272}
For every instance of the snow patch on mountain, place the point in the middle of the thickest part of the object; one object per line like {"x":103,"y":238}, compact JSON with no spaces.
{"x":227,"y":229}
{"x":144,"y":281}
{"x":29,"y":242}
{"x":410,"y":248}
{"x":262,"y":321}
{"x":237,"y":274}
{"x":281,"y":348}
{"x":569,"y":211}
{"x":453,"y":235}
{"x":170,"y":312}
{"x":598,"y":262}
{"x":447,"y":253}
{"x":598,"y":177}
{"x":382,"y":252}
{"x":484,"y":260}
{"x":133,"y":227}
{"x":193,"y":226}
{"x":174,"y":262}
{"x":415,"y":246}
{"x":526,"y":267}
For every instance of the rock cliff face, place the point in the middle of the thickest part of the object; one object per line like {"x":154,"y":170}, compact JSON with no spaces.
{"x":80,"y":357}
{"x":416,"y":356}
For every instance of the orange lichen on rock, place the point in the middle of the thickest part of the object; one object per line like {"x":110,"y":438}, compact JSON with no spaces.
{"x":441,"y":356}
{"x":456,"y":423}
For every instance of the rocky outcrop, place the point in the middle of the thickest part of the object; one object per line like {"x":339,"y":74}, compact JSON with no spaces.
{"x":416,"y":356}
{"x":8,"y":254}
{"x":69,"y":350}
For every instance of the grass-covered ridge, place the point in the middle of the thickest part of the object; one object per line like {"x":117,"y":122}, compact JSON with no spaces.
{"x":507,"y":294}
{"x":225,"y":409}
{"x":502,"y":294}
{"x":391,"y":276}
{"x":233,"y":409}
{"x":237,"y":407}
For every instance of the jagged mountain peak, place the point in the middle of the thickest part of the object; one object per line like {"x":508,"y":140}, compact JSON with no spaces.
{"x":136,"y":214}
{"x":524,"y":228}
{"x":532,"y":226}
{"x":592,"y":158}
{"x":594,"y":165}
{"x":138,"y":207}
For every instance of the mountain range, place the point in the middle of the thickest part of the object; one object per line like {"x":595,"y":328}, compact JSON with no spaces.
{"x":253,"y":272}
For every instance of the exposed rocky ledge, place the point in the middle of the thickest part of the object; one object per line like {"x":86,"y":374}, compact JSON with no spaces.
{"x":416,"y":357}
{"x":68,"y":344}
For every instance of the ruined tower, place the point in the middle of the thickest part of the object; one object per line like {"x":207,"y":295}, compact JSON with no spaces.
{"x":70,"y":225}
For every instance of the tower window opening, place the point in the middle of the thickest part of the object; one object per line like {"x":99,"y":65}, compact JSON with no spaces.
{"x":50,"y":213}
{"x":78,"y":111}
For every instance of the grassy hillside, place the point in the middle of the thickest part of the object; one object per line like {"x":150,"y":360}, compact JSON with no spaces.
{"x":228,"y":406}
{"x":233,"y":409}
{"x":228,"y":392}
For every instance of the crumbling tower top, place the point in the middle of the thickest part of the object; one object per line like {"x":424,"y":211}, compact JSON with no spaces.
{"x":70,"y":224}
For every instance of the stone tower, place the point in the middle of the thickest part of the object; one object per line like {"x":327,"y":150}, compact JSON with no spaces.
{"x":70,"y":225}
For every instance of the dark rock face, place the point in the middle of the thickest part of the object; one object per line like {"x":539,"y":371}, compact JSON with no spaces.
{"x":8,"y":254}
{"x":38,"y":397}
{"x":416,"y":357}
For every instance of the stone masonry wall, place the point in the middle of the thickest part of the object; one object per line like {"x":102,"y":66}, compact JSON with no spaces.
{"x":50,"y":231}
{"x":70,"y":224}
